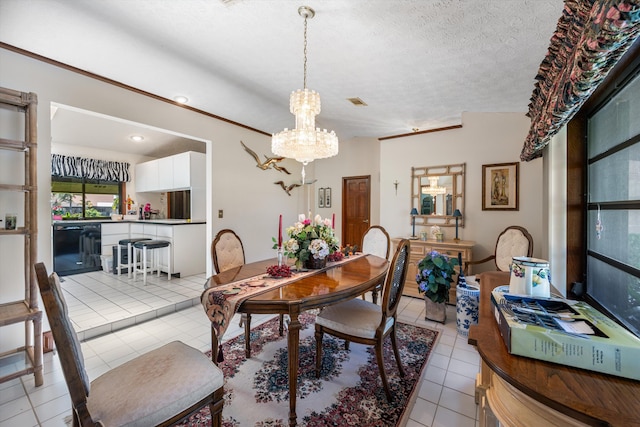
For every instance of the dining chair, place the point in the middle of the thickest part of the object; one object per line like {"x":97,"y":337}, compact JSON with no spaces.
{"x":160,"y":387}
{"x":365,"y":322}
{"x":513,"y":241}
{"x":227,"y":253}
{"x":376,"y":241}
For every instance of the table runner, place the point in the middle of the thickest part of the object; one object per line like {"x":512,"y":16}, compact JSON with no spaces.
{"x":221,"y":302}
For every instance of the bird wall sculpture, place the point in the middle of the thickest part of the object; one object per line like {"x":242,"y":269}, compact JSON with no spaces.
{"x":287,"y":188}
{"x":270,"y":162}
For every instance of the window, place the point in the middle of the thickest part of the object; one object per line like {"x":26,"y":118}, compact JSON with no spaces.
{"x":84,"y":198}
{"x":613,"y":204}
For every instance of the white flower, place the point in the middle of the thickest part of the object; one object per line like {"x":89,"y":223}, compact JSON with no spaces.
{"x":291,"y":245}
{"x":301,"y":218}
{"x":319,"y":248}
{"x":317,"y":220}
{"x":327,"y":222}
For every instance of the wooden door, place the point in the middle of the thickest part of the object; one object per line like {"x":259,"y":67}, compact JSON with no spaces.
{"x":356,"y":207}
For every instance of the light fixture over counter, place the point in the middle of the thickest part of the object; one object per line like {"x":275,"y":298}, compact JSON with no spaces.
{"x":305,"y":143}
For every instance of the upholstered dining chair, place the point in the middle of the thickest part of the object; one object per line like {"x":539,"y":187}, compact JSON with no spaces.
{"x":365,"y":322}
{"x":227,"y":253}
{"x":513,"y":241}
{"x":376,"y":241}
{"x":160,"y":387}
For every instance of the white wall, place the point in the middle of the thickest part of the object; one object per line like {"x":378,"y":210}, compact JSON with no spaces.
{"x":357,"y":157}
{"x":485,"y":138}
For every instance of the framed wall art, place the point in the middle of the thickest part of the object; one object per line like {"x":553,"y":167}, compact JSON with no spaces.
{"x":321,"y":198}
{"x":327,"y":197}
{"x":500,"y":187}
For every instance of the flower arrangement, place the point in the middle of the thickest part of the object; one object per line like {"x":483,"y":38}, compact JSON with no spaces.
{"x":435,"y":275}
{"x":309,"y":239}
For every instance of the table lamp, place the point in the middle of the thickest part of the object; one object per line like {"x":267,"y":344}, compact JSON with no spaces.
{"x":414,"y":212}
{"x":457,"y":214}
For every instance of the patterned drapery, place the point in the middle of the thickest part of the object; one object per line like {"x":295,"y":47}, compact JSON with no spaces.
{"x":78,"y":167}
{"x":591,"y":36}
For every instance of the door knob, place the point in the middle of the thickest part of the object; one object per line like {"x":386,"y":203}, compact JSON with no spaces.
{"x":366,"y":221}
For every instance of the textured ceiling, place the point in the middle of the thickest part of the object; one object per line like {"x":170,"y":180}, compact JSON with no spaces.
{"x":416,"y":63}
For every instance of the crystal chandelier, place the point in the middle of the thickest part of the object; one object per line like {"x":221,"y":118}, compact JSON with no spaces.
{"x":305,"y":143}
{"x":433,"y":188}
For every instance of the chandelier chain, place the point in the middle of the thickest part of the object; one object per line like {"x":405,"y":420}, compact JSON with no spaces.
{"x":305,"y":53}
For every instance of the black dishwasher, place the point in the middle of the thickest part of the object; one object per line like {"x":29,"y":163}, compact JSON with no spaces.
{"x":76,"y":248}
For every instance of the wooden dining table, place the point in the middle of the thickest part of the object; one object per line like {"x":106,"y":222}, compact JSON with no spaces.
{"x":335,"y":284}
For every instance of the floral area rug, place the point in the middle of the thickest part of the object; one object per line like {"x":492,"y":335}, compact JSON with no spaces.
{"x":349,"y":391}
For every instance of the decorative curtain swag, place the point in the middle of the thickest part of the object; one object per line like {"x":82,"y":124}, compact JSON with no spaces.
{"x":78,"y":167}
{"x":591,"y":37}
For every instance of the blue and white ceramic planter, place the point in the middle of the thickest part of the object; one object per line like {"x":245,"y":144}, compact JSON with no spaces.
{"x":467,"y":301}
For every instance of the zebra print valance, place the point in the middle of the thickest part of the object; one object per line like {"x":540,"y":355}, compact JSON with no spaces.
{"x":79,"y":167}
{"x":591,"y":36}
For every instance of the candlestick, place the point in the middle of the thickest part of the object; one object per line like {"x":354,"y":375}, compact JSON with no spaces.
{"x":280,"y":256}
{"x":333,"y":221}
{"x":280,"y":233}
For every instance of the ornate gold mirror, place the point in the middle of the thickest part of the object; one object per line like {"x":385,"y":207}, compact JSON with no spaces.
{"x":436,"y":192}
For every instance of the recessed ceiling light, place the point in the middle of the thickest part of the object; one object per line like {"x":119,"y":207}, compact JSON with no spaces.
{"x":136,"y":138}
{"x":181,"y":99}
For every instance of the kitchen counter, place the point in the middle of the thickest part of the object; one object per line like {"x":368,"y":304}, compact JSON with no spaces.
{"x":188,"y":241}
{"x":146,"y":221}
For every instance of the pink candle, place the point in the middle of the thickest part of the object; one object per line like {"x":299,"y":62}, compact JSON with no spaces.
{"x":333,"y":221}
{"x":280,"y":233}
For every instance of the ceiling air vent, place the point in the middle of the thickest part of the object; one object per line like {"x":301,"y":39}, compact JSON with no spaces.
{"x":357,"y":102}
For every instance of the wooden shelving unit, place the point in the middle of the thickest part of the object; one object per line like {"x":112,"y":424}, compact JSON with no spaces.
{"x":26,"y":359}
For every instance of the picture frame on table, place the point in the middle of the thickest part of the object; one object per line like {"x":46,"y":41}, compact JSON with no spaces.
{"x":500,"y":187}
{"x":327,"y":197}
{"x":321,"y":198}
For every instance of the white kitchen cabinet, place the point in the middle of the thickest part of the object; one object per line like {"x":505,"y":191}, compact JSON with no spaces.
{"x":112,"y":233}
{"x":189,"y":249}
{"x":182,"y":170}
{"x":179,"y":172}
{"x":146,"y":176}
{"x":165,"y":173}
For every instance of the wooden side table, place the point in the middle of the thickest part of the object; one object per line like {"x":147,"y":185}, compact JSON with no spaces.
{"x":519,"y":391}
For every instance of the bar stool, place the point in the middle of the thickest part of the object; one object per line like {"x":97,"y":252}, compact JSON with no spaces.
{"x":145,"y":245}
{"x":129,"y":243}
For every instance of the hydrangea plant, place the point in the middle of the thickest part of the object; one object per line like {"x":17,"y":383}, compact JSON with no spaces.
{"x":435,"y":275}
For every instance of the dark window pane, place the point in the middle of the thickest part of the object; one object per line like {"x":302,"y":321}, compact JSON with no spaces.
{"x":618,"y":121}
{"x":619,"y":236}
{"x":616,"y":177}
{"x":616,"y":290}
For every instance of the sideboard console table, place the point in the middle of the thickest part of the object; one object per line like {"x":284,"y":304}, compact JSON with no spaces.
{"x":518,"y":391}
{"x":420,"y":248}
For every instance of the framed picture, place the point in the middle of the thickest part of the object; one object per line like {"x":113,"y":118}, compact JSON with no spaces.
{"x":500,"y":187}
{"x":321,"y":198}
{"x":327,"y":197}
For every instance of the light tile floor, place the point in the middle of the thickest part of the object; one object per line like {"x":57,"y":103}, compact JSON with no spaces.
{"x":445,"y":397}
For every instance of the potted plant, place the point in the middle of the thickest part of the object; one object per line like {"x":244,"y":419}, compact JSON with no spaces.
{"x":434,"y":278}
{"x":310,"y":242}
